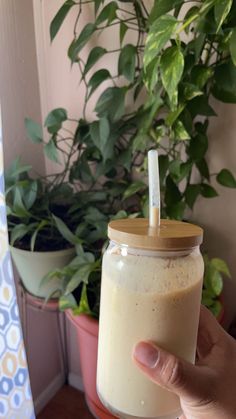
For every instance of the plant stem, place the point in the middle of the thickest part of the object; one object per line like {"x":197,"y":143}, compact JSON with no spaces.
{"x":116,"y":23}
{"x":187,"y":23}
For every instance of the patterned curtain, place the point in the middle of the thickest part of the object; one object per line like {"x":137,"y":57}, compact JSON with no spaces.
{"x":15,"y":393}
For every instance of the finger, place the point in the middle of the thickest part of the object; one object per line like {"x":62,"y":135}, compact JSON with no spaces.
{"x":172,"y":373}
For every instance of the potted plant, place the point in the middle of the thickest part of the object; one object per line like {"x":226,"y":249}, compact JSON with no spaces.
{"x":213,"y":285}
{"x":182,"y":55}
{"x":38,"y":212}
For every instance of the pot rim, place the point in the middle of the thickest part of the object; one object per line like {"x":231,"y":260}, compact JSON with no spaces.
{"x":83,"y":321}
{"x":49,"y":253}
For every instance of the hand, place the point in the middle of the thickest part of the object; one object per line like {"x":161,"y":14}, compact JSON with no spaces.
{"x":207,"y":389}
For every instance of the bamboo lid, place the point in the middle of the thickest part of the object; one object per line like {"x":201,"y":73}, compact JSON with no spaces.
{"x":170,"y":235}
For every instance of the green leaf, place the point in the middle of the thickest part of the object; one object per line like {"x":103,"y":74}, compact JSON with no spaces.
{"x":94,"y":55}
{"x":145,"y":206}
{"x":83,"y":257}
{"x":102,"y":138}
{"x":65,"y":232}
{"x":198,"y":147}
{"x":200,"y":106}
{"x":134,"y":188}
{"x":200,"y":75}
{"x":104,"y":130}
{"x":232,"y":46}
{"x":123,"y":30}
{"x":187,"y":120}
{"x":161,"y":7}
{"x":201,"y":127}
{"x":172,"y":193}
{"x":81,"y":275}
{"x":216,"y":308}
{"x":150,"y":76}
{"x":41,"y":225}
{"x":111,"y":103}
{"x":83,"y":305}
{"x":217,"y":282}
{"x":176,"y":211}
{"x":78,"y":44}
{"x":52,"y":275}
{"x":224,"y":87}
{"x":138,"y":89}
{"x":191,"y":194}
{"x":191,"y":14}
{"x":221,"y":266}
{"x":173,"y":115}
{"x":60,"y":17}
{"x":207,"y":298}
{"x":67,"y":301}
{"x":81,"y":170}
{"x":208,"y":273}
{"x":226,"y":178}
{"x":199,"y":45}
{"x":127,"y":61}
{"x":34,"y":131}
{"x":163,"y":167}
{"x":185,"y":169}
{"x":180,"y":131}
{"x":18,"y":232}
{"x":206,"y":6}
{"x":97,"y":4}
{"x":221,"y":10}
{"x":54,"y":120}
{"x":208,"y":191}
{"x":98,"y":78}
{"x":125,"y":159}
{"x":108,"y":13}
{"x":174,"y":169}
{"x":30,"y":194}
{"x":145,"y":121}
{"x":13,"y":172}
{"x":18,"y":205}
{"x":51,"y":151}
{"x":191,"y":91}
{"x":172,"y":66}
{"x":207,"y":24}
{"x":159,"y":34}
{"x":93,"y":214}
{"x":119,"y":215}
{"x":203,"y":168}
{"x":95,"y":134}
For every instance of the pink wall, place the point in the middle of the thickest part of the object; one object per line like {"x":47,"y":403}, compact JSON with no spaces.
{"x":19,"y":87}
{"x":217,"y":215}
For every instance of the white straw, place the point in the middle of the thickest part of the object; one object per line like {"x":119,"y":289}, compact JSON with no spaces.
{"x":154,"y":189}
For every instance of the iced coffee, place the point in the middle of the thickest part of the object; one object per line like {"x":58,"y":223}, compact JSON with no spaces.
{"x":151,"y":290}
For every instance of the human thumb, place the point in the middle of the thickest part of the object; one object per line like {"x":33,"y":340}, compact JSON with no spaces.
{"x":184,"y":379}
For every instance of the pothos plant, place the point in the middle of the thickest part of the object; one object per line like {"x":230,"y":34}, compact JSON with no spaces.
{"x":182,"y":53}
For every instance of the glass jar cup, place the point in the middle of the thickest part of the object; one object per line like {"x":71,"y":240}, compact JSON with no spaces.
{"x":151,"y":290}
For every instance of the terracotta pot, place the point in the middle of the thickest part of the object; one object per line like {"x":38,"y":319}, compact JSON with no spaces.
{"x":87,"y":335}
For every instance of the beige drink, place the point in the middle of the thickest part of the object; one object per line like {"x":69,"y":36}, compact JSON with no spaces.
{"x":146,"y":295}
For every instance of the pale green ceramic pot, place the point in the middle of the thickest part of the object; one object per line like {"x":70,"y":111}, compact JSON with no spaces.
{"x":33,"y":266}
